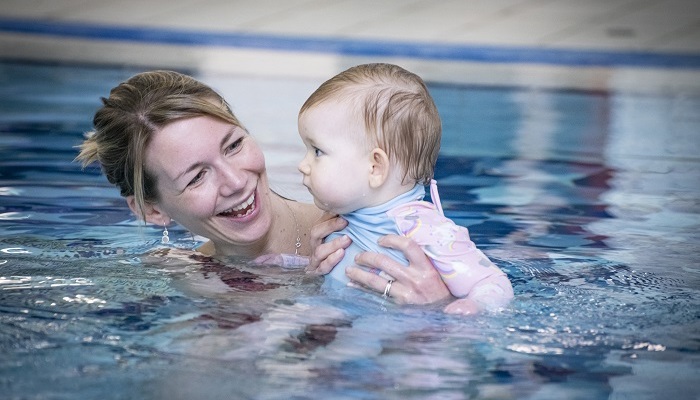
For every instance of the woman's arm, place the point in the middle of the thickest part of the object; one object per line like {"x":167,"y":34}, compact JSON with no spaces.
{"x":419,"y":283}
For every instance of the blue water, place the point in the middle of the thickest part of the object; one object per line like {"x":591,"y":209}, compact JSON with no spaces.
{"x":588,"y":200}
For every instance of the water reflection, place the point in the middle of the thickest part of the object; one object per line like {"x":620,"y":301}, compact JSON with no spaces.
{"x":654,"y":148}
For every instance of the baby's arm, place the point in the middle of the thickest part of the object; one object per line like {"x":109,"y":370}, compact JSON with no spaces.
{"x":479,"y":283}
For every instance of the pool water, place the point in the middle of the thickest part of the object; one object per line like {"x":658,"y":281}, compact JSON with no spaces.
{"x":588,"y":200}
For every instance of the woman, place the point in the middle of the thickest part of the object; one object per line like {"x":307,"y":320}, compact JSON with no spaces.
{"x":177,"y":153}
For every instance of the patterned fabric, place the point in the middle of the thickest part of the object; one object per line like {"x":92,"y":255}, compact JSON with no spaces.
{"x":466,"y":271}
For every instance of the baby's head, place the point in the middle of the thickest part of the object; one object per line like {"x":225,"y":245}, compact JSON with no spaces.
{"x":372,"y":132}
{"x":400,"y":116}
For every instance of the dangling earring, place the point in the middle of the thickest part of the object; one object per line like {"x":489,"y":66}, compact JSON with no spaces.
{"x":195,"y":244}
{"x":165,"y":239}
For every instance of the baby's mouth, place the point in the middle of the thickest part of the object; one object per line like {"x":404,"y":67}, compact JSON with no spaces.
{"x":242,"y":209}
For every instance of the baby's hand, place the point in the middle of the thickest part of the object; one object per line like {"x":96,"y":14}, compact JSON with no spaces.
{"x":491,"y":294}
{"x":463,"y":306}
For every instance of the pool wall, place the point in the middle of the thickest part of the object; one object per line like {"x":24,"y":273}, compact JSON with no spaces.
{"x":582,"y":46}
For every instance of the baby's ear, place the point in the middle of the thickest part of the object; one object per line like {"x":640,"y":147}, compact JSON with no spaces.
{"x":380,"y":168}
{"x":151,"y":213}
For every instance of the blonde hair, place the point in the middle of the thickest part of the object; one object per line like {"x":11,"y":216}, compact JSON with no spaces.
{"x":399,"y":114}
{"x":128,"y":119}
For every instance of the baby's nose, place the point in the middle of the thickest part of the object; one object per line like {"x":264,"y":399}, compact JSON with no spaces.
{"x":303,"y":166}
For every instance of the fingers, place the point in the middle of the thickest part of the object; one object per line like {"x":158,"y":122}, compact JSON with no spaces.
{"x":325,"y":228}
{"x":408,"y":247}
{"x":368,"y":279}
{"x":375,"y":283}
{"x":383,"y":263}
{"x":327,"y":255}
{"x":390,"y":270}
{"x":417,"y":283}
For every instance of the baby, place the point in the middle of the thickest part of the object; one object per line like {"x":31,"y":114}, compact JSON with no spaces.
{"x":372,"y":135}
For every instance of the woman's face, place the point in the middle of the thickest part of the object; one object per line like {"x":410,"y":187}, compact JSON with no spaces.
{"x":211,"y":179}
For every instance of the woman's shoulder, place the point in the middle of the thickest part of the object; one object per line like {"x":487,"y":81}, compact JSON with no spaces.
{"x":309,"y":213}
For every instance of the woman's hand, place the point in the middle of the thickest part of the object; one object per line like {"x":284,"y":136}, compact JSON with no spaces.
{"x":419,"y":283}
{"x":325,"y":256}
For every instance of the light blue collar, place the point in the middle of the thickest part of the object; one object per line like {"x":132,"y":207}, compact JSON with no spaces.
{"x":367,"y":225}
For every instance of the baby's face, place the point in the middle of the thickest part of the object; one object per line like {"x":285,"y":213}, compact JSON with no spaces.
{"x":337,"y":163}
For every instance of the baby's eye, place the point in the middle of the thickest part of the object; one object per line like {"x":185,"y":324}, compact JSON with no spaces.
{"x":317,"y":152}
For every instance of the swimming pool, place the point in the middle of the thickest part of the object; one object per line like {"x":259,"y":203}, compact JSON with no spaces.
{"x":588,"y":200}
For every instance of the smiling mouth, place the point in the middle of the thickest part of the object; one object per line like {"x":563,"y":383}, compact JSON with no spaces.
{"x":242,"y":209}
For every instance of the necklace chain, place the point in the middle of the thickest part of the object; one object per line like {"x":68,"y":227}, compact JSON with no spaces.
{"x":297,"y":245}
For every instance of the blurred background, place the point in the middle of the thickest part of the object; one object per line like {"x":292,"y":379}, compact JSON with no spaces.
{"x":615,"y":44}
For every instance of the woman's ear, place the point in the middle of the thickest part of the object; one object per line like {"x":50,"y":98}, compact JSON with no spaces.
{"x":379,"y":168}
{"x":151,"y":212}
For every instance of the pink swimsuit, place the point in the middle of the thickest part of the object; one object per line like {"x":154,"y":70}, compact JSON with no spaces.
{"x":466,"y":271}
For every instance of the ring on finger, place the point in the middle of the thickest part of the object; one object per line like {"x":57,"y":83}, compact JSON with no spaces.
{"x":387,"y":288}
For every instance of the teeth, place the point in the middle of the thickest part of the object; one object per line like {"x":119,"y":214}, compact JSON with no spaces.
{"x":246,"y":204}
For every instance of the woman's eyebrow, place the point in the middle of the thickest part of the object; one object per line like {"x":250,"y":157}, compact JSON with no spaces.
{"x":190,"y":169}
{"x":227,"y":137}
{"x":194,"y":166}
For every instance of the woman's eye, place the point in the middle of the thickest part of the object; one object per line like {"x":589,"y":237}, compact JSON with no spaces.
{"x":236,"y":144}
{"x":196,"y":179}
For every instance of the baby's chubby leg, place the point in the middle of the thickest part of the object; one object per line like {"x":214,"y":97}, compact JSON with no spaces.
{"x":490,"y":294}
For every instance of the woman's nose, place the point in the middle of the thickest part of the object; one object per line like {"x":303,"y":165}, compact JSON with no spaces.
{"x":231,"y":180}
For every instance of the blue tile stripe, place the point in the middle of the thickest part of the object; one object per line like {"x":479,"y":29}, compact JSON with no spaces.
{"x":355,"y":47}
